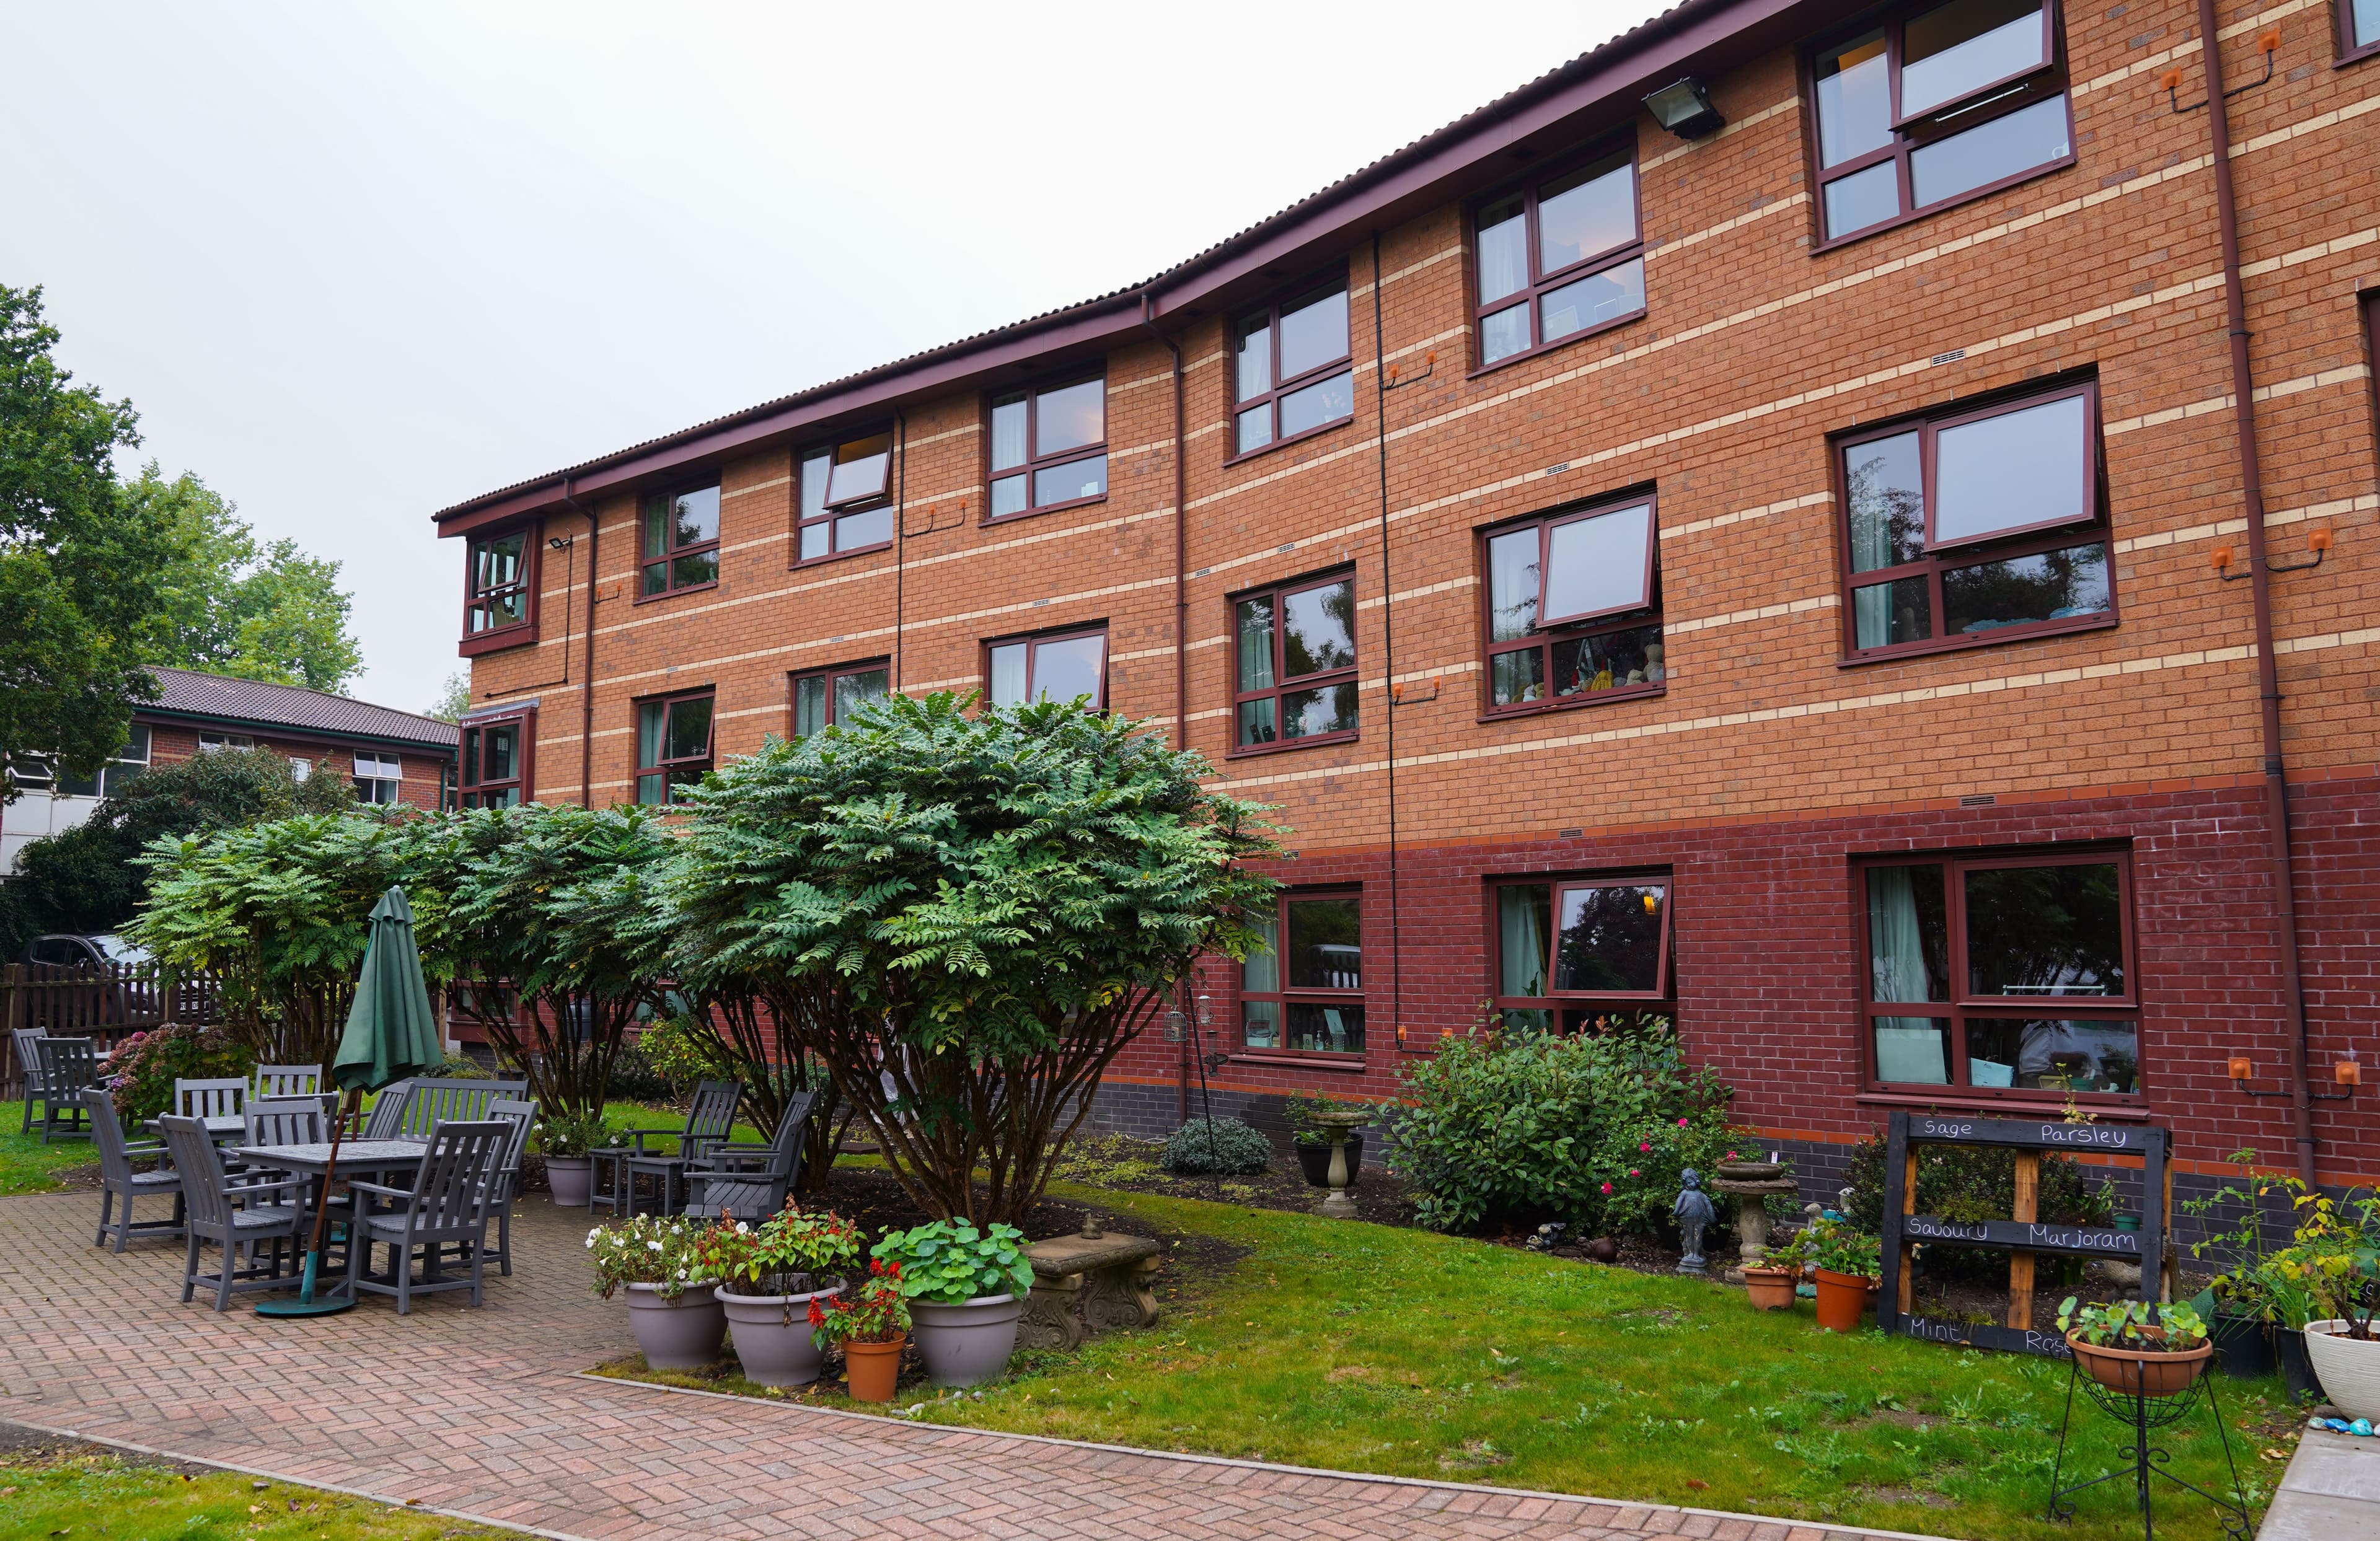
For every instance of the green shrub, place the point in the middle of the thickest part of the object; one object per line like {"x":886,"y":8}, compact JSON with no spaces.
{"x":1223,"y":1145}
{"x":636,"y":1078}
{"x":142,"y":1074}
{"x":951,"y":1262}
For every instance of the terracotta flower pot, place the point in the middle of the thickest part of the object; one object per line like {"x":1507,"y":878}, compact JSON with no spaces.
{"x":680,"y":1331}
{"x":1771,"y":1288}
{"x":2155,"y":1372}
{"x":1841,"y":1299}
{"x":872,"y":1370}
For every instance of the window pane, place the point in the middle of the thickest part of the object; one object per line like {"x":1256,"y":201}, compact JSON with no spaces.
{"x":1260,"y":971}
{"x":1326,"y":401}
{"x":1854,"y":100}
{"x":1504,"y":334}
{"x":500,"y":562}
{"x":1610,"y":939}
{"x":88,"y":786}
{"x":1885,"y":613}
{"x":1586,"y":214}
{"x":1325,"y":943}
{"x":1960,"y":48}
{"x":657,"y":528}
{"x":1517,"y":677}
{"x":507,"y":799}
{"x":1888,"y":502}
{"x":1261,"y":1024}
{"x":1008,"y":414}
{"x":689,"y":729}
{"x":856,"y":690}
{"x":694,"y":517}
{"x":1310,"y":713}
{"x":1913,"y":1048}
{"x":1257,"y":722}
{"x":1071,"y":418}
{"x":116,"y":778}
{"x":2367,"y":22}
{"x":656,"y":579}
{"x":1908,"y":934}
{"x":501,"y":747}
{"x":1008,"y":496}
{"x":1075,"y":478}
{"x":814,"y":540}
{"x":2044,"y":930}
{"x":1076,"y":666}
{"x":1253,"y":353}
{"x":859,"y":469}
{"x":871,"y":528}
{"x":1256,"y":643}
{"x":1008,"y":673}
{"x":1591,"y":301}
{"x":1610,"y":661}
{"x":688,"y":571}
{"x":1503,"y":249}
{"x":2019,"y":468}
{"x":815,"y":471}
{"x":1253,"y":429}
{"x":468,"y":759}
{"x":1523,"y":926}
{"x":2027,"y":137}
{"x":651,"y":789}
{"x":1318,"y":630}
{"x":1597,"y":565}
{"x":1512,"y":584}
{"x":504,"y":610}
{"x":809,"y":705}
{"x":649,"y":718}
{"x":1316,"y":1029}
{"x":2054,"y":1056}
{"x":1314,"y":333}
{"x":1862,"y":198}
{"x":2048,"y":586}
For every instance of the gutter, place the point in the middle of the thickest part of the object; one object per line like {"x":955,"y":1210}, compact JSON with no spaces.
{"x":293,"y":731}
{"x":1181,"y":533}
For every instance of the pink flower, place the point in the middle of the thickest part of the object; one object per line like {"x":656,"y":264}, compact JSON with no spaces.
{"x":1632,"y":1171}
{"x":1731,"y":1156}
{"x":1682,"y":1123}
{"x":1607,"y":1187}
{"x":1644,"y":1145}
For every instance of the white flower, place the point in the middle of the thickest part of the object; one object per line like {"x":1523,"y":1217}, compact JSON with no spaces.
{"x":742,"y":1229}
{"x":652,"y":1246}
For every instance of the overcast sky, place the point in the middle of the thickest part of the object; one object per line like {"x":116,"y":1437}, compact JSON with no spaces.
{"x":353,"y":263}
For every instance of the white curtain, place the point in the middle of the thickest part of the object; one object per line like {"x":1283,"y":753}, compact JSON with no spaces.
{"x":1522,"y":913}
{"x":1907,"y":1048}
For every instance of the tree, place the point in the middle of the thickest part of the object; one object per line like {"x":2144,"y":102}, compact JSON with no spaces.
{"x":454,"y":698}
{"x":233,"y":606}
{"x":964,"y":918}
{"x":80,"y":564}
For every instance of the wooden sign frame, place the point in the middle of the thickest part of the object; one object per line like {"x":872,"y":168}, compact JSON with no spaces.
{"x":2023,"y":1235}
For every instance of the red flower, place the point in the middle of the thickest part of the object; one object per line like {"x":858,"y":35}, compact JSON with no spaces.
{"x":1682,"y":1123}
{"x":1607,"y":1187}
{"x":1632,"y":1171}
{"x":1644,"y":1145}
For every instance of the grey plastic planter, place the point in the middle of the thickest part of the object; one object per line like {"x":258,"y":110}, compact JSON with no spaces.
{"x":968,"y":1343}
{"x":568,"y":1176}
{"x":773,"y":1335}
{"x":677,"y":1332}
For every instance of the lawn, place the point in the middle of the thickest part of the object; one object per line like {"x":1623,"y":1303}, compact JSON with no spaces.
{"x":1372,"y":1349}
{"x":79,"y":1492}
{"x":26,"y":1166}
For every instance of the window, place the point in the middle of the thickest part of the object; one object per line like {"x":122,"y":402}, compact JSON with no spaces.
{"x":1949,"y":522}
{"x":823,"y":697}
{"x":1302,"y":992}
{"x":210,"y":740}
{"x":1294,"y":663}
{"x":846,"y":498}
{"x":300,"y":768}
{"x":680,"y":546}
{"x":1574,"y":952}
{"x":1939,"y":105}
{"x":1560,"y":259}
{"x":1572,"y":607}
{"x":1291,"y":376}
{"x":1961,"y":956}
{"x":673,"y":745}
{"x":496,"y":583}
{"x":1056,"y":668}
{"x":493,"y":771}
{"x":379,"y":778}
{"x":122,"y":768}
{"x":1048,"y":447}
{"x":2358,"y":29}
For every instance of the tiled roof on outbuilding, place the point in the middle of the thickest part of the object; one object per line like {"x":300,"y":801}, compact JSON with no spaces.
{"x":220,"y":697}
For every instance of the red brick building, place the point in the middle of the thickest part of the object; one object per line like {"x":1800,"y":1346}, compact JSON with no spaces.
{"x":1801,"y":572}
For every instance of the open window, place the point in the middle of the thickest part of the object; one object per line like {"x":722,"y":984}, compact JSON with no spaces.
{"x":379,"y":776}
{"x":673,"y":745}
{"x":500,"y":589}
{"x":1572,"y":602}
{"x":1291,"y":370}
{"x":1048,"y":446}
{"x":494,"y":762}
{"x":1560,"y":259}
{"x":823,"y":697}
{"x":1301,"y":991}
{"x":678,"y":542}
{"x":845,"y":502}
{"x":1575,"y":952}
{"x":1295,"y":664}
{"x":1057,"y":667}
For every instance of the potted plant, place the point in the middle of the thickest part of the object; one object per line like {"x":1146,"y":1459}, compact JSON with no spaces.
{"x":2336,"y":1256}
{"x":871,"y":1327}
{"x":768,"y":1276}
{"x":1846,"y":1262}
{"x":2136,"y":1348}
{"x":966,"y":1289}
{"x":1313,"y":1141}
{"x":1771,"y":1283}
{"x":2250,"y":1306}
{"x":668,"y":1266}
{"x":565,"y":1139}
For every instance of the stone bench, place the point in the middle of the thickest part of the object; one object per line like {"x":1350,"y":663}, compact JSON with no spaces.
{"x":1086,"y":1283}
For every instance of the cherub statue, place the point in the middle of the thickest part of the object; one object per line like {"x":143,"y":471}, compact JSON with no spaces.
{"x":1695,"y":1215}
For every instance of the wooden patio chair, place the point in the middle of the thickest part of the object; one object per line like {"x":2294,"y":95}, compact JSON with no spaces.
{"x":287,"y":1081}
{"x":749,"y":1182}
{"x":220,"y":1096}
{"x":709,"y":1120}
{"x":429,"y":1102}
{"x":446,"y":1208}
{"x":119,"y":1184}
{"x":70,"y":1068}
{"x":29,"y":1069}
{"x":523,"y":1116}
{"x":217,"y":1211}
{"x":385,"y":1118}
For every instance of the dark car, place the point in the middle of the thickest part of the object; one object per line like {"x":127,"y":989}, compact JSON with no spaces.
{"x":103,"y":948}
{"x":120,"y":992}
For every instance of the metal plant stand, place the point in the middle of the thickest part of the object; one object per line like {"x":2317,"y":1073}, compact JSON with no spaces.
{"x":2143,"y":1412}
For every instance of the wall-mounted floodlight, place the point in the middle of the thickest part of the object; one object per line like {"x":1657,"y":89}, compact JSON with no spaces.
{"x":1685,"y":110}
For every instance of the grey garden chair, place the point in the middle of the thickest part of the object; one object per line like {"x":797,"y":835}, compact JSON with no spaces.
{"x":749,"y":1182}
{"x":70,"y":1068}
{"x":446,"y":1208}
{"x":709,"y":1120}
{"x":221,"y":1097}
{"x":426,"y":1102}
{"x":216,"y":1212}
{"x":117,"y":1181}
{"x":29,"y":1069}
{"x":287,"y":1081}
{"x":523,"y":1116}
{"x":386,"y":1116}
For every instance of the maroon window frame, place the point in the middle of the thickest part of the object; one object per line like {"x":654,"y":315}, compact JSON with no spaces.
{"x":1880,"y":617}
{"x":2350,"y":47}
{"x":677,"y":540}
{"x":861,"y":519}
{"x":664,"y":761}
{"x":496,"y":760}
{"x":1033,"y":643}
{"x":1026,"y":468}
{"x":1315,"y":995}
{"x":816,"y":695}
{"x":1535,"y":281}
{"x":1563,"y":661}
{"x":1260,"y":716}
{"x":1957,"y":1010}
{"x":484,"y":587}
{"x":1912,"y":132}
{"x":1248,"y":403}
{"x":2371,"y":304}
{"x":1528,"y":992}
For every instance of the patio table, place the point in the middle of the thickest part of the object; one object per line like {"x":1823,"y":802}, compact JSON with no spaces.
{"x":218,"y":1129}
{"x":365,"y":1160}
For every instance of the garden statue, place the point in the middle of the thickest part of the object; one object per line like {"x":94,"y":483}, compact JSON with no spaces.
{"x":1694,"y":1214}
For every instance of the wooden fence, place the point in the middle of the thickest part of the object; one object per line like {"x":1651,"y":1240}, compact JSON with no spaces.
{"x":106,"y":1002}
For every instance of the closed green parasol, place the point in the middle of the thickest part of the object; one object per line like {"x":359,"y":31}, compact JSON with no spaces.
{"x":391,"y":1034}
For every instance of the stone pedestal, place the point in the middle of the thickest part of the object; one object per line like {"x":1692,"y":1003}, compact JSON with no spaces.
{"x":1088,"y":1284}
{"x":1751,"y":1182}
{"x":1338,"y":1203}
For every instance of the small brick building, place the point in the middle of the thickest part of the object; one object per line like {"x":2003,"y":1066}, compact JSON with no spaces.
{"x":1744,"y":529}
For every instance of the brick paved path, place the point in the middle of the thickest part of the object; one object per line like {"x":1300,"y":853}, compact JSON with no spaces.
{"x":478,"y":1413}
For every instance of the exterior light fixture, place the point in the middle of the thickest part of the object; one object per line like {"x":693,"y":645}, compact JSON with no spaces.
{"x":2348,"y":1071}
{"x":2242,"y":1068}
{"x":1684,"y":109}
